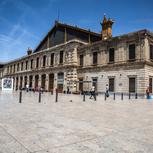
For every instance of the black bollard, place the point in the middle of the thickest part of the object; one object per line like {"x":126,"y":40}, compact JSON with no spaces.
{"x":84,"y":96}
{"x":105,"y":96}
{"x":56,"y":98}
{"x":136,"y":96}
{"x":51,"y":92}
{"x":39,"y":96}
{"x":114,"y":96}
{"x":129,"y":95}
{"x":95,"y":97}
{"x":122,"y":96}
{"x":20,"y":97}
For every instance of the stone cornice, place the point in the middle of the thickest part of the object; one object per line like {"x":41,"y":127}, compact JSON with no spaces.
{"x":113,"y":67}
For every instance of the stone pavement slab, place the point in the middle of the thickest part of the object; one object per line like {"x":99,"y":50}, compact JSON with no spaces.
{"x":74,"y":126}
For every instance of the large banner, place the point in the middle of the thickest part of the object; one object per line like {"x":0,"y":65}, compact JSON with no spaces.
{"x":7,"y":84}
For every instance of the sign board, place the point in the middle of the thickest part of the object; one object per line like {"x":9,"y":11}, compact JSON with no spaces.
{"x":7,"y":84}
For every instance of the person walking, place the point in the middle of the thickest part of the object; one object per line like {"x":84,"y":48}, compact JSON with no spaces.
{"x":93,"y":93}
{"x":27,"y":87}
{"x":107,"y":91}
{"x":148,"y":93}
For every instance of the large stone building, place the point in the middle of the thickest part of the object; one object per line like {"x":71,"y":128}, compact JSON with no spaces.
{"x":77,"y":58}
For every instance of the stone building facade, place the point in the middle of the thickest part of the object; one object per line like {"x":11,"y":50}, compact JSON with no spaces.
{"x":74,"y":58}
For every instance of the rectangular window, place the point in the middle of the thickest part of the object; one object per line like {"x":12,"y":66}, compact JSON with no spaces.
{"x":61,"y":57}
{"x":151,"y":52}
{"x":150,"y":85}
{"x":132,"y":52}
{"x":18,"y":67}
{"x":32,"y":64}
{"x":111,"y":55}
{"x":11,"y":69}
{"x":52,"y":59}
{"x":81,"y":60}
{"x":14,"y":68}
{"x":26,"y":65}
{"x":111,"y":84}
{"x":22,"y":66}
{"x":80,"y":84}
{"x":95,"y":58}
{"x":44,"y":60}
{"x":94,"y":83}
{"x":132,"y":85}
{"x":37,"y":62}
{"x":7,"y":69}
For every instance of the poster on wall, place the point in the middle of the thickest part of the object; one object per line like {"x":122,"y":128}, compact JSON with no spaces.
{"x":7,"y":84}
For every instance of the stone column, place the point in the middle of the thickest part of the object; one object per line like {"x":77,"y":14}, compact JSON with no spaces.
{"x":33,"y":81}
{"x":39,"y":81}
{"x":19,"y":82}
{"x":28,"y":79}
{"x":14,"y":87}
{"x":47,"y":82}
{"x":55,"y":80}
{"x":65,"y":82}
{"x":23,"y":81}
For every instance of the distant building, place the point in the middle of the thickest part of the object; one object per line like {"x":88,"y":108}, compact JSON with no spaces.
{"x":75,"y":58}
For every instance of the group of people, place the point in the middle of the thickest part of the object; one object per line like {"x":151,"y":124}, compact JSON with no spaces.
{"x":93,"y":92}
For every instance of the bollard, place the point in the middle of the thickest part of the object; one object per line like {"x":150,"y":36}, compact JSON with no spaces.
{"x":105,"y":96}
{"x":56,"y":98}
{"x":20,"y":97}
{"x":129,"y":95}
{"x":95,"y":97}
{"x":51,"y":92}
{"x":114,"y":96}
{"x":39,"y":97}
{"x":122,"y":96}
{"x":84,"y":96}
{"x":136,"y":96}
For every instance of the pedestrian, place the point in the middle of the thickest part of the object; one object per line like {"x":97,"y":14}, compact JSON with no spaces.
{"x":27,"y":87}
{"x":148,"y":93}
{"x":107,"y":91}
{"x":68,"y":90}
{"x":92,"y":93}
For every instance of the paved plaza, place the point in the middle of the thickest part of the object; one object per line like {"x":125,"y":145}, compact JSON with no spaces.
{"x":74,"y":126}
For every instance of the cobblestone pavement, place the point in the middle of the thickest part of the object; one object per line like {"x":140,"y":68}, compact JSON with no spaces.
{"x":74,"y":126}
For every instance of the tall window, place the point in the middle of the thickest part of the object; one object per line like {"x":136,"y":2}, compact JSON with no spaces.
{"x":14,"y":68}
{"x":151,"y":52}
{"x":22,"y":66}
{"x":32,"y":64}
{"x":18,"y":67}
{"x":111,"y":84}
{"x":81,"y":60}
{"x":37,"y":62}
{"x":132,"y":52}
{"x":80,"y":84}
{"x":111,"y":55}
{"x":61,"y":57}
{"x":44,"y":60}
{"x":94,"y":58}
{"x":94,"y":83}
{"x":132,"y":84}
{"x":7,"y":69}
{"x":26,"y":65}
{"x":52,"y":59}
{"x":11,"y":69}
{"x":150,"y":85}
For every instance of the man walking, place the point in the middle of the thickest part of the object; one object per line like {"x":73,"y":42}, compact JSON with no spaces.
{"x":93,"y":93}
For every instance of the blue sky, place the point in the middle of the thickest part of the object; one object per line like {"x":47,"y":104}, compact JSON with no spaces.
{"x":24,"y":23}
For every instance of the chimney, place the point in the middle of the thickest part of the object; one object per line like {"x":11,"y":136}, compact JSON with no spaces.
{"x":106,"y":28}
{"x":29,"y":51}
